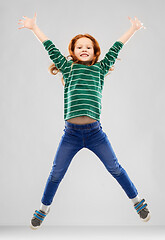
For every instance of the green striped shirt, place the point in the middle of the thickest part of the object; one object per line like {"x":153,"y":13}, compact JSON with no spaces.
{"x":83,"y":84}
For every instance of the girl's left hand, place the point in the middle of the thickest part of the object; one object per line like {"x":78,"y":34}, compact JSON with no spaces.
{"x":136,"y":24}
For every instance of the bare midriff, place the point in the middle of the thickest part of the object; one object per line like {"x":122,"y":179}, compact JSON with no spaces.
{"x":81,"y":120}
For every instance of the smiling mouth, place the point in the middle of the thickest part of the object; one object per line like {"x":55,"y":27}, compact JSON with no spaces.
{"x":84,"y":55}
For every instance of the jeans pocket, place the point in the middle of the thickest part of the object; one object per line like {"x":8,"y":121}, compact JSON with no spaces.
{"x":68,"y":130}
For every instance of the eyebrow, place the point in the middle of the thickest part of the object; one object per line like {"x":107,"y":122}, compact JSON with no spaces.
{"x":79,"y":44}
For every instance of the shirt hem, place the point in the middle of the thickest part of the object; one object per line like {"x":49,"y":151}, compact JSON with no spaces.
{"x":95,"y":118}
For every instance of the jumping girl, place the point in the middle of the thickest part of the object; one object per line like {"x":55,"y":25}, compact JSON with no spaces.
{"x":83,"y":80}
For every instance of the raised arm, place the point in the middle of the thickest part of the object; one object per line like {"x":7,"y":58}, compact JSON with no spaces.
{"x":136,"y":25}
{"x":113,"y":52}
{"x":55,"y":55}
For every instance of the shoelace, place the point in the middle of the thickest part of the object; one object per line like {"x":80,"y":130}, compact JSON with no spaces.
{"x":139,"y":207}
{"x":40,"y":214}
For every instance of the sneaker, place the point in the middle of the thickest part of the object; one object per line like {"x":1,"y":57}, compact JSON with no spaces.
{"x":142,"y":210}
{"x":38,"y":218}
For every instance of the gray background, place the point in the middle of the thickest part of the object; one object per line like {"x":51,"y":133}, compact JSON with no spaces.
{"x":31,"y":106}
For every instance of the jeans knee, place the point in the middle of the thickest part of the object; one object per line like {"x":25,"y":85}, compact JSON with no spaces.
{"x":116,"y":171}
{"x":56,"y":178}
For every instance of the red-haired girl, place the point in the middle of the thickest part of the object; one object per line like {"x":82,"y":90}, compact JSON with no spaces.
{"x":83,"y":81}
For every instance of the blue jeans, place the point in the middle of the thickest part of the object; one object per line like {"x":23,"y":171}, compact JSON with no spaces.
{"x":75,"y":138}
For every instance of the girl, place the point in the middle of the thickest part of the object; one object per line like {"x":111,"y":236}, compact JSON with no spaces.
{"x":83,"y":80}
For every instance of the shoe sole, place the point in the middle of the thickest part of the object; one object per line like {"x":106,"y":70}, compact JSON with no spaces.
{"x":34,"y":228}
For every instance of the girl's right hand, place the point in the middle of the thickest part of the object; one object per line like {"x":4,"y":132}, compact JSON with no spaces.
{"x":29,"y":23}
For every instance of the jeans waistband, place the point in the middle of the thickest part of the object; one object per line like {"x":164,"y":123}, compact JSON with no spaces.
{"x":84,"y":126}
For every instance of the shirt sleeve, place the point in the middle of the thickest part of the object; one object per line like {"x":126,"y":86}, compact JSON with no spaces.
{"x":110,"y":57}
{"x":55,"y":55}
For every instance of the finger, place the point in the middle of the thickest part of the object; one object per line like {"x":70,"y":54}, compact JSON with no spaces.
{"x":130,"y":19}
{"x":35,"y":15}
{"x":136,"y":19}
{"x":21,"y":27}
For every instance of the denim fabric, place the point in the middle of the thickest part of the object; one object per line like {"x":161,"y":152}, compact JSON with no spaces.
{"x":75,"y":138}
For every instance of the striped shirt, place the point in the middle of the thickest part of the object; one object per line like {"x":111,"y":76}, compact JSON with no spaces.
{"x":83,"y":84}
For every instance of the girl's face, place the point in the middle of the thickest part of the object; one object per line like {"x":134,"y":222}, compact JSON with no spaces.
{"x":84,"y":50}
